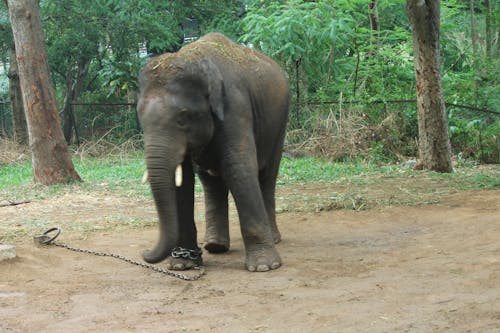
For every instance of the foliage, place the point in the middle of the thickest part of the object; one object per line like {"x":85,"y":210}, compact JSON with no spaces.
{"x":471,"y":79}
{"x":328,"y":47}
{"x":332,"y":53}
{"x":474,"y":137}
{"x":337,"y":51}
{"x":107,"y":35}
{"x":5,"y":43}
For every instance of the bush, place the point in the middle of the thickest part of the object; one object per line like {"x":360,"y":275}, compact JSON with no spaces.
{"x":349,"y":133}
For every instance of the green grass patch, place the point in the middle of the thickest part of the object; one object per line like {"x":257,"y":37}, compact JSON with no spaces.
{"x":112,"y":171}
{"x":122,"y":176}
{"x":310,"y":169}
{"x":15,"y":174}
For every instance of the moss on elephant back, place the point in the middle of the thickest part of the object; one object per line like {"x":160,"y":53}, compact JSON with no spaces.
{"x":215,"y":44}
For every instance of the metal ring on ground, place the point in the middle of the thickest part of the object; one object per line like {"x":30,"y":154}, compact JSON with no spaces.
{"x":50,"y":240}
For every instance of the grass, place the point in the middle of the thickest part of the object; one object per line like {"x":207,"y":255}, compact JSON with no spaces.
{"x":122,"y":176}
{"x":316,"y":170}
{"x":14,"y":174}
{"x":112,"y":196}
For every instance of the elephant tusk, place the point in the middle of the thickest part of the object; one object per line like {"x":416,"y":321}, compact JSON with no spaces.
{"x":178,"y":176}
{"x":145,"y":177}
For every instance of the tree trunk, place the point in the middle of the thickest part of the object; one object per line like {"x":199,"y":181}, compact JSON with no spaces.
{"x":374,"y":28}
{"x":373,"y":15}
{"x":473,"y":34}
{"x":74,"y":85}
{"x":434,"y":144}
{"x":50,"y":155}
{"x":489,"y":36}
{"x":19,"y":127}
{"x":297,"y":90}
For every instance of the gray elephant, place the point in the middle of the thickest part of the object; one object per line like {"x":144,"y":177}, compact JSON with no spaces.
{"x":220,"y":109}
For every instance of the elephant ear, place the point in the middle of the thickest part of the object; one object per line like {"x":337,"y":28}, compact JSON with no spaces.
{"x":215,"y":87}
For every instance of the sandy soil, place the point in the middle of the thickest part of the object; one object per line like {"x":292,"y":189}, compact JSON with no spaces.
{"x":431,"y":268}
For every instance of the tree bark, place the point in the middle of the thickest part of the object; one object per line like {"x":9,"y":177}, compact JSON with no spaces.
{"x":373,"y":15}
{"x":19,"y":127}
{"x":50,"y":155}
{"x":473,"y":34}
{"x":374,"y":27}
{"x":489,"y":37}
{"x":434,"y":145}
{"x":74,"y":85}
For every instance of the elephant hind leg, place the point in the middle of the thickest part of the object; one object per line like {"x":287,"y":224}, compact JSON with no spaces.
{"x":268,"y":194}
{"x":217,"y":221}
{"x":267,"y":179}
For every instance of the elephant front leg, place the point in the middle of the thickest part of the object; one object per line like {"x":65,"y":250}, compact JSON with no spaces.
{"x":216,"y":208}
{"x":261,"y":253}
{"x":186,"y":254}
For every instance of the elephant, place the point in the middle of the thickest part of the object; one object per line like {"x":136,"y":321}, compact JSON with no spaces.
{"x":218,"y":109}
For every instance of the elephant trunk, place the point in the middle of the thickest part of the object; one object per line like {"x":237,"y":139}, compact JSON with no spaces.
{"x":162,"y":165}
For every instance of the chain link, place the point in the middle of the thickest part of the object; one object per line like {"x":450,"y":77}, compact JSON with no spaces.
{"x":44,"y":239}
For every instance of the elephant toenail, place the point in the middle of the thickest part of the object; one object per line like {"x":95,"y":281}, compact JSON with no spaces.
{"x":179,"y":266}
{"x":251,"y":268}
{"x":275,"y":265}
{"x":262,"y":268}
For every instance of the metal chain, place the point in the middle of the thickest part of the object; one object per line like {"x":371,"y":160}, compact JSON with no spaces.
{"x":44,"y":239}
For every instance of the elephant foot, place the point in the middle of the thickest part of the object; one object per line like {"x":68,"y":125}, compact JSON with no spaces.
{"x":182,"y":259}
{"x":182,"y":264}
{"x":262,"y":259}
{"x":276,"y":236}
{"x":214,"y":247}
{"x":214,"y":244}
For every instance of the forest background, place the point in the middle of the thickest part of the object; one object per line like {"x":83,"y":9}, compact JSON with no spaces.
{"x":349,"y":63}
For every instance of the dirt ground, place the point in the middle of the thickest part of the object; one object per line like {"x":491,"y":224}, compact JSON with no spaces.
{"x":427,"y":268}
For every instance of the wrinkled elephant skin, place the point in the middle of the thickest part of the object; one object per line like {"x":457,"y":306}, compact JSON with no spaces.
{"x":219,"y":109}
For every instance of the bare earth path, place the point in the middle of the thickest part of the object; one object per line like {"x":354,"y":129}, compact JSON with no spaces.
{"x":431,"y":268}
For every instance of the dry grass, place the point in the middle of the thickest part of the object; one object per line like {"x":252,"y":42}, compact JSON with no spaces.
{"x":346,"y":134}
{"x":13,"y":153}
{"x":106,"y":148}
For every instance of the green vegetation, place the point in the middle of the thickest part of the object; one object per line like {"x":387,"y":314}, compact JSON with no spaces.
{"x":347,"y":65}
{"x":334,"y":52}
{"x":122,"y":176}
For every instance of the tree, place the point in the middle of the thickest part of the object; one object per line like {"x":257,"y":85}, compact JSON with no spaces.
{"x":50,"y":155}
{"x":434,"y":145}
{"x":488,"y":28}
{"x":93,"y":46}
{"x":373,"y":15}
{"x":301,"y":35}
{"x":19,"y":127}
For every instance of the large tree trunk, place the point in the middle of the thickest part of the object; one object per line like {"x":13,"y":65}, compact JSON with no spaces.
{"x":434,"y":144}
{"x":19,"y":127}
{"x":51,"y":158}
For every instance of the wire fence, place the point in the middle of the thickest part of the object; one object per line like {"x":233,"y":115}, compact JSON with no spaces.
{"x":5,"y":120}
{"x":119,"y":121}
{"x":93,"y":120}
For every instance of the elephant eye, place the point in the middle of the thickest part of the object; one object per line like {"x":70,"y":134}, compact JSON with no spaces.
{"x":182,"y":119}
